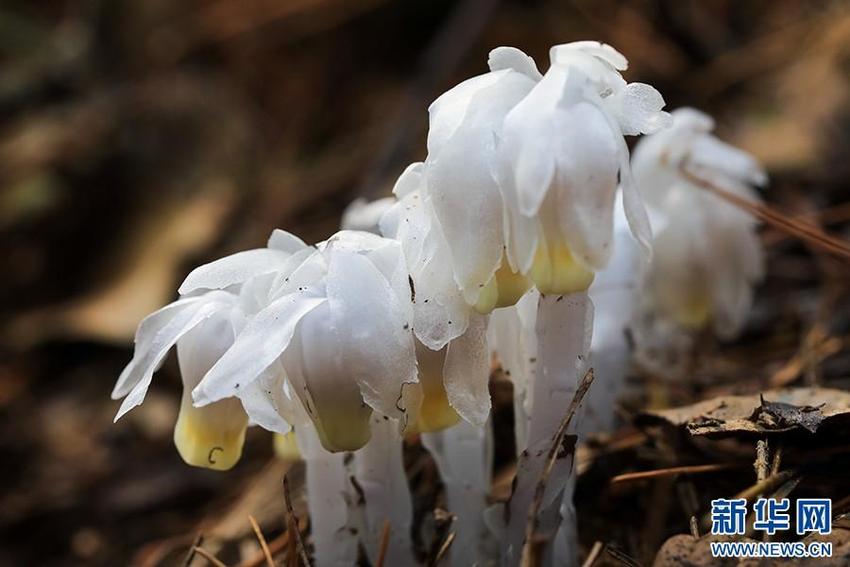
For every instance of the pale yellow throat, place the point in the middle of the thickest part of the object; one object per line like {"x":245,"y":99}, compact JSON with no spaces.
{"x":286,"y":447}
{"x":556,"y":271}
{"x":504,"y":289}
{"x":435,"y":412}
{"x":339,"y":433}
{"x":212,"y":436}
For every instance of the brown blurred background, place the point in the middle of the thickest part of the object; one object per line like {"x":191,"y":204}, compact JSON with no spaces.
{"x":139,"y":138}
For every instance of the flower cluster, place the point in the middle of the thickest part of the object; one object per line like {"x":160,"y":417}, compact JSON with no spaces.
{"x":389,"y":326}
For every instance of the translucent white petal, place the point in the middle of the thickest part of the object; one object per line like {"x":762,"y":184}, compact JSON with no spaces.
{"x":265,"y":400}
{"x":513,"y":58}
{"x":633,"y":206}
{"x":440,"y":311}
{"x":460,"y":177}
{"x":466,"y":374}
{"x":521,"y":232}
{"x":372,"y":327}
{"x":233,"y":269}
{"x":155,"y":336}
{"x":303,"y":269}
{"x":447,"y":113}
{"x":527,"y":162}
{"x":586,"y":182}
{"x":641,"y":112}
{"x":146,"y":332}
{"x":410,"y":180}
{"x":259,"y":344}
{"x":285,"y":242}
{"x":561,"y":53}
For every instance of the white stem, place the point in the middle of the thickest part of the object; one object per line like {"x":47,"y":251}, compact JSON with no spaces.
{"x":328,"y":494}
{"x":379,"y":470}
{"x":464,"y":457}
{"x":564,"y":328}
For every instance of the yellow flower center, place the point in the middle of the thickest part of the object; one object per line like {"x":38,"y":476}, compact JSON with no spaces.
{"x":212,"y":436}
{"x":556,"y":271}
{"x":345,"y":429}
{"x":435,"y":412}
{"x":285,"y":446}
{"x":504,"y":289}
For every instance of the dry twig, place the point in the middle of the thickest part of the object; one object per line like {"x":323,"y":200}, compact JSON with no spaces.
{"x":551,"y":459}
{"x":444,"y":548}
{"x":208,"y":556}
{"x":803,"y":230}
{"x":265,"y":546}
{"x":384,"y":544}
{"x":671,"y":471}
{"x":595,"y":551}
{"x":296,"y":544}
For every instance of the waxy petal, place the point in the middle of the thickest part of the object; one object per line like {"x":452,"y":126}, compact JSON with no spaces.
{"x":285,"y":242}
{"x":260,"y":343}
{"x":372,"y":327}
{"x":234,"y":269}
{"x":155,"y":336}
{"x":466,"y":373}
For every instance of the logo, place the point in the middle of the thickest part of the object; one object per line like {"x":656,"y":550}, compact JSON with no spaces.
{"x":771,"y":516}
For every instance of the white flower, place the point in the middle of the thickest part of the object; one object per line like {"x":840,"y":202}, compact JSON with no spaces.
{"x":203,"y":324}
{"x":203,"y":327}
{"x":454,"y":366}
{"x":707,"y":255}
{"x":522,"y":170}
{"x":465,"y":124}
{"x":562,"y":150}
{"x":338,"y":323}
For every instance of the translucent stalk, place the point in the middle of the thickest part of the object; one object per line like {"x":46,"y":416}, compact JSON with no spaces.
{"x":379,"y":470}
{"x":564,"y":327}
{"x":614,"y":293}
{"x":464,"y":457}
{"x":329,"y":492}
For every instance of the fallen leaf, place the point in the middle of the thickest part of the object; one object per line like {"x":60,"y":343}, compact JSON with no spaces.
{"x":774,"y":411}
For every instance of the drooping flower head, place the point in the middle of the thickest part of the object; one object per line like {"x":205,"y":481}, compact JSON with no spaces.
{"x":562,"y":156}
{"x":707,"y":253}
{"x":337,"y":322}
{"x":522,"y":170}
{"x":203,"y":325}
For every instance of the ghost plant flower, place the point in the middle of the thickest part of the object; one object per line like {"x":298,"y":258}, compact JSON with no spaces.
{"x":561,"y":156}
{"x":708,"y":256}
{"x":562,"y":151}
{"x":332,"y":333}
{"x":337,"y":321}
{"x":465,"y":125}
{"x":203,"y":324}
